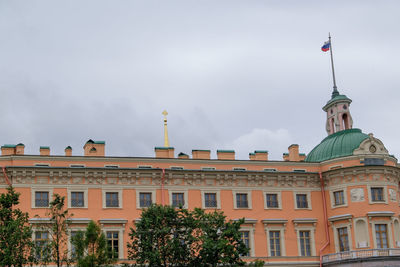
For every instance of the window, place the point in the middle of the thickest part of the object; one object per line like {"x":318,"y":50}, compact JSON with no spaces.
{"x":343,"y":239}
{"x":42,"y":165}
{"x":272,"y":200}
{"x":269,"y":170}
{"x":178,"y":199}
{"x":301,"y":201}
{"x":241,"y":200}
{"x":112,"y":200}
{"x":145,"y":167}
{"x":111,"y":166}
{"x":275,"y":243}
{"x":41,"y":242}
{"x":305,"y":244}
{"x":245,"y":237}
{"x":381,"y":235}
{"x":207,"y":168}
{"x":41,"y":199}
{"x":176,"y":168}
{"x":76,"y":165}
{"x":299,"y":170}
{"x":339,"y":197}
{"x":73,"y":248}
{"x":113,"y":243}
{"x":238,"y":169}
{"x":210,"y":200}
{"x":377,"y":194}
{"x":77,"y":199}
{"x":145,"y":200}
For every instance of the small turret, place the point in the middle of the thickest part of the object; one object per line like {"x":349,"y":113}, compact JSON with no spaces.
{"x":338,"y":113}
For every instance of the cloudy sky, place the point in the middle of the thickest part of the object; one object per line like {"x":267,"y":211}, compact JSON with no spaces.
{"x":240,"y":75}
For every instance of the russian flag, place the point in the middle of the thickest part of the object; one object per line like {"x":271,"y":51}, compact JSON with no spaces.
{"x":326,"y":46}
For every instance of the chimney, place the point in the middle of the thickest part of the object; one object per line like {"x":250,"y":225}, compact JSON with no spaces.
{"x":261,"y":155}
{"x":94,"y":148}
{"x":201,"y":154}
{"x":252,"y":156}
{"x":294,"y":154}
{"x":8,"y":149}
{"x":19,"y":149}
{"x":183,"y":156}
{"x":44,"y":151}
{"x":226,"y":154}
{"x":68,"y":151}
{"x":164,"y":152}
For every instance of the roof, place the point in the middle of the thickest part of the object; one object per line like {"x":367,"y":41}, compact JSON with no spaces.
{"x":336,"y":98}
{"x":339,"y":144}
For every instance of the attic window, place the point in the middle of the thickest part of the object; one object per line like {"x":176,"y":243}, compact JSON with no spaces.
{"x":76,"y":165}
{"x":92,"y":150}
{"x":111,"y":166}
{"x":269,"y":170}
{"x":208,"y":168}
{"x":145,"y":167}
{"x":176,"y":168}
{"x":238,"y":169}
{"x":298,"y":170}
{"x":42,"y":165}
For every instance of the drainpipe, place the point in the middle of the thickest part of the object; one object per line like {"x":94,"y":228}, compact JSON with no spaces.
{"x":325,"y":219}
{"x":162,"y":186}
{"x":6,"y":177}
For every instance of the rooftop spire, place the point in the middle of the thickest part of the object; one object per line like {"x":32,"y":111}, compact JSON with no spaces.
{"x":335,"y":91}
{"x":166,"y":141}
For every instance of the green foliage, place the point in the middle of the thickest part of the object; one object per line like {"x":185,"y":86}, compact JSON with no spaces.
{"x":168,"y":236}
{"x":91,"y":247}
{"x":256,"y":263}
{"x":15,"y":233}
{"x":58,"y":230}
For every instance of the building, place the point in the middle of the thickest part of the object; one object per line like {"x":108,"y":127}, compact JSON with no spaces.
{"x":339,"y":204}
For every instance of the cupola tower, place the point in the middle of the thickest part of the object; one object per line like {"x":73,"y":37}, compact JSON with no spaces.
{"x":338,"y":117}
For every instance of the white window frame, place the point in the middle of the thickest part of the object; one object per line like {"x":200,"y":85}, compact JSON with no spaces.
{"x":77,"y":165}
{"x":153,"y":196}
{"x":336,"y":235}
{"x":279,"y":198}
{"x":144,"y":167}
{"x":111,"y":166}
{"x":251,"y":230}
{"x":282,"y":229}
{"x":308,"y":194}
{"x":40,"y":189}
{"x":207,"y":168}
{"x":185,"y":196}
{"x":73,"y":229}
{"x":112,"y":190}
{"x":332,"y":195}
{"x":249,"y":199}
{"x":385,"y":194}
{"x":176,"y":168}
{"x":312,"y":239}
{"x":85,"y":197}
{"x":203,"y":199}
{"x":389,"y":231}
{"x":269,"y":169}
{"x":120,"y":231}
{"x":239,"y":169}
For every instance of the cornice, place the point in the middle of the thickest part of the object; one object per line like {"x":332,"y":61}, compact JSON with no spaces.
{"x":152,"y":177}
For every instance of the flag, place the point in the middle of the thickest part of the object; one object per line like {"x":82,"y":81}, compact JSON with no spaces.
{"x":326,"y":46}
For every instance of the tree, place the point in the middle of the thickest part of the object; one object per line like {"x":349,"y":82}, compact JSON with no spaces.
{"x":15,"y":233}
{"x":58,"y":230}
{"x":91,"y":247}
{"x":168,"y":236}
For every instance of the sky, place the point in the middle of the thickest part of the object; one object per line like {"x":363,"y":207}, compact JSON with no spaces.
{"x":241,"y":75}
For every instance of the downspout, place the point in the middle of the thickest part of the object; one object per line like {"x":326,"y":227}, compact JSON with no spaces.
{"x":6,"y":176}
{"x":162,"y":186}
{"x":325,"y":219}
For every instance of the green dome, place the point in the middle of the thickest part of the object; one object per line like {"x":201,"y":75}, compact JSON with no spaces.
{"x":339,"y":144}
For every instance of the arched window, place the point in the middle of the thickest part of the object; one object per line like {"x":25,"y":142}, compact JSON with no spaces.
{"x":345,"y":119}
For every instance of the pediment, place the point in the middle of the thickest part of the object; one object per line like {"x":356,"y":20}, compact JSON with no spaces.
{"x":371,"y":146}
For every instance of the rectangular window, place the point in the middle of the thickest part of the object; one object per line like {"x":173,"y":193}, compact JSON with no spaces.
{"x":73,"y":249}
{"x":377,"y":194}
{"x":301,"y":200}
{"x":305,"y":244}
{"x":238,"y":169}
{"x":207,"y":168}
{"x":178,"y":200}
{"x":176,"y":168}
{"x":41,"y":199}
{"x":112,"y":199}
{"x":77,"y":199}
{"x":275,"y":243}
{"x":339,"y":197}
{"x":42,"y":243}
{"x":272,"y":200}
{"x":241,"y":201}
{"x":381,"y":235}
{"x":145,"y":200}
{"x":112,"y":241}
{"x":343,"y":239}
{"x":210,"y":200}
{"x":245,"y":237}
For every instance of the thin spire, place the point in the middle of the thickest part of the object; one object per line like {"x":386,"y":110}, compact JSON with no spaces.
{"x":166,"y":141}
{"x":335,"y":91}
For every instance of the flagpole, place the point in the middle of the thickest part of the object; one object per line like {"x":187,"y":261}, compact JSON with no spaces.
{"x":335,"y":91}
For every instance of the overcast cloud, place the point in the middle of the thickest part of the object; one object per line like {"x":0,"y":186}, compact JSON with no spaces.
{"x":240,"y":75}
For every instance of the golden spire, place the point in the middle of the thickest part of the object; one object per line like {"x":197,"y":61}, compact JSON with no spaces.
{"x":166,"y":141}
